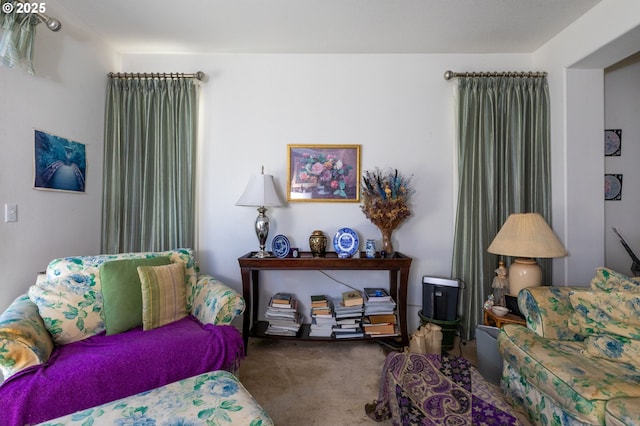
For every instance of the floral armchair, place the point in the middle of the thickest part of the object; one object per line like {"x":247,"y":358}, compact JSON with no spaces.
{"x":577,"y":361}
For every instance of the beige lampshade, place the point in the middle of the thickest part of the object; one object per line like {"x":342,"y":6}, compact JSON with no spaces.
{"x":527,"y":235}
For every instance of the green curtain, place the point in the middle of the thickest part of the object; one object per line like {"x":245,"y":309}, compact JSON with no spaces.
{"x":149,"y":164}
{"x":17,"y":35}
{"x":503,"y":167}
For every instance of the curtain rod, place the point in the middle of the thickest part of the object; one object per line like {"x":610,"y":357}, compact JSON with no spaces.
{"x":448,"y":75}
{"x":36,"y":9}
{"x":197,"y":75}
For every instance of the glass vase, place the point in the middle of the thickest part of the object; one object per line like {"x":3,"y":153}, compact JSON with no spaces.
{"x":387,"y":244}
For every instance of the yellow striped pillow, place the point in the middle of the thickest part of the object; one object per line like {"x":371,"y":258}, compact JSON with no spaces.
{"x":163,"y":294}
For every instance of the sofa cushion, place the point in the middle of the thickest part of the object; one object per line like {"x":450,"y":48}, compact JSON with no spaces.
{"x":623,"y":412}
{"x":122,"y":293}
{"x":163,"y":294}
{"x":69,"y":306}
{"x":614,"y":347}
{"x":609,"y":280}
{"x":599,"y":312}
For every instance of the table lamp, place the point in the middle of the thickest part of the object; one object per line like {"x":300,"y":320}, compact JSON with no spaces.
{"x":526,"y":236}
{"x":261,"y":192}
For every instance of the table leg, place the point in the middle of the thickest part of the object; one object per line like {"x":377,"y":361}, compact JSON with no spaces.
{"x":402,"y":304}
{"x":246,"y":294}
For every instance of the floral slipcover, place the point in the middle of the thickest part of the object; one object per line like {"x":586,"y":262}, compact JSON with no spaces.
{"x":577,"y":360}
{"x":24,"y":340}
{"x":215,"y":398}
{"x":67,"y":306}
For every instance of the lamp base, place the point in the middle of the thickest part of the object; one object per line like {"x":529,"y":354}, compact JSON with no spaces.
{"x":261,"y":254}
{"x":262,"y":231}
{"x":524,"y":273}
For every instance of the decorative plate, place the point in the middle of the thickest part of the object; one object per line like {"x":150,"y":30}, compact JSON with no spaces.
{"x":280,"y":246}
{"x":613,"y":187}
{"x":346,"y":242}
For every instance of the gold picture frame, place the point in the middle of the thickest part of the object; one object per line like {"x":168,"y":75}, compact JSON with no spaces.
{"x":323,"y":173}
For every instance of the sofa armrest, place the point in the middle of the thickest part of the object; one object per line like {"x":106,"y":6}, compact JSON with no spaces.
{"x":547,"y":311}
{"x":24,"y":340}
{"x":215,"y":302}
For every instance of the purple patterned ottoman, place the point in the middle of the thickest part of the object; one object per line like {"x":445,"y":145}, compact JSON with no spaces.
{"x":425,"y":389}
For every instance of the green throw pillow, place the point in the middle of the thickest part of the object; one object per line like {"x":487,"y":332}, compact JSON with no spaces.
{"x":122,"y":294}
{"x":163,"y":294}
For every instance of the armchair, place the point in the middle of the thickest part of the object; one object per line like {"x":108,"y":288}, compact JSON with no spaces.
{"x":558,"y":369}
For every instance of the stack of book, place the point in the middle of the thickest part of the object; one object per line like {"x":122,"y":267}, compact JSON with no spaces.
{"x":348,"y":311}
{"x":380,"y":325}
{"x":322,"y":319}
{"x":348,"y":327}
{"x":378,"y":301}
{"x":379,"y":311}
{"x":283,"y":316}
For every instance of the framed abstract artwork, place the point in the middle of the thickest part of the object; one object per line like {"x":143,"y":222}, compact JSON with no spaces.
{"x":613,"y":187}
{"x":612,"y":142}
{"x":329,"y":173}
{"x":59,"y":164}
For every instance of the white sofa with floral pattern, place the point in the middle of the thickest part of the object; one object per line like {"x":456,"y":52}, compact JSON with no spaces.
{"x":58,"y":354}
{"x":577,"y":362}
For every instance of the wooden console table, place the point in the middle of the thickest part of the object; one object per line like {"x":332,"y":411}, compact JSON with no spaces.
{"x":250,"y":267}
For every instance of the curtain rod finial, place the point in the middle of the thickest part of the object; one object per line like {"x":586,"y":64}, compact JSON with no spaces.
{"x":448,"y":75}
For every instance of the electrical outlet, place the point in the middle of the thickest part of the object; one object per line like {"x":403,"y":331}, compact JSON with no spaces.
{"x":10,"y":212}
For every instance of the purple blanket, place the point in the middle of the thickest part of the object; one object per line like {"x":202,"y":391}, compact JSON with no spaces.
{"x":104,"y":368}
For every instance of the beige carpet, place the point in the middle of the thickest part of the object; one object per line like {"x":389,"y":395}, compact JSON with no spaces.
{"x":318,"y":383}
{"x":313,"y":383}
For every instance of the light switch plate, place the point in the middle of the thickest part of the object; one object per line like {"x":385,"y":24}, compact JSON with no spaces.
{"x":10,"y":212}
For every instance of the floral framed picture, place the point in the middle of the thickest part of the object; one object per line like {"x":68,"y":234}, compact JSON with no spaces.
{"x":323,"y":173}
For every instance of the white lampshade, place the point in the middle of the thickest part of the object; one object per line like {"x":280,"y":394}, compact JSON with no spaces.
{"x":526,"y":236}
{"x":260,"y":191}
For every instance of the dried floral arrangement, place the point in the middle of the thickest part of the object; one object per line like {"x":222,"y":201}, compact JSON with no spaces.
{"x":384,"y":198}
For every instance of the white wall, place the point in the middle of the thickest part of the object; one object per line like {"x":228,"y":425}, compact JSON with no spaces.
{"x":401,"y":111}
{"x":622,"y":111}
{"x":66,"y":98}
{"x":575,"y":60}
{"x":398,"y":107}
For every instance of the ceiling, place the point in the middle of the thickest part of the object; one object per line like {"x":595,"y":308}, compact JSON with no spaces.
{"x":322,"y":26}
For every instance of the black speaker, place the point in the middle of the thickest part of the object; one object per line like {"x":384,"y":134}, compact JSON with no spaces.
{"x":440,"y":298}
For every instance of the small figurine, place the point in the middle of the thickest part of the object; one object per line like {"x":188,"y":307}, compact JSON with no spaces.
{"x":489,"y":303}
{"x":500,"y":284}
